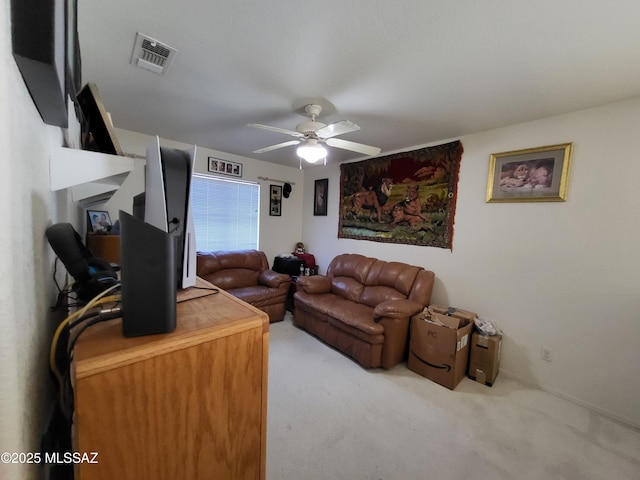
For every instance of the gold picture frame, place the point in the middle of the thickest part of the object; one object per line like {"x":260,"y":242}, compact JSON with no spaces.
{"x":531,"y":175}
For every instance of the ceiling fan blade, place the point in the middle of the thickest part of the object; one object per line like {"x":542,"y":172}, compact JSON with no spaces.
{"x":276,"y":129}
{"x":279,"y":145}
{"x":338,"y":128}
{"x":353,"y":146}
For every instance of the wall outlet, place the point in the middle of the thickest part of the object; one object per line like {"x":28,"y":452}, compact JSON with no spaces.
{"x":546,"y":354}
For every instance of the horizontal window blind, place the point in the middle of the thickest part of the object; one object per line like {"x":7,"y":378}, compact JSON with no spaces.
{"x":225,"y":213}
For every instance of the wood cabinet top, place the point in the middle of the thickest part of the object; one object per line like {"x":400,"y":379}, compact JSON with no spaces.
{"x":201,"y":317}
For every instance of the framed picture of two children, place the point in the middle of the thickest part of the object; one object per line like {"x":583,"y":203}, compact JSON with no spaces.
{"x":531,"y":175}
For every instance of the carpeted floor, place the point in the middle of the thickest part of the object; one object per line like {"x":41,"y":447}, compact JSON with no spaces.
{"x":328,"y":418}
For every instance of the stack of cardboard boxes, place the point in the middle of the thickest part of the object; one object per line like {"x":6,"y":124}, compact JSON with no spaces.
{"x":443,"y":347}
{"x":484,"y":359}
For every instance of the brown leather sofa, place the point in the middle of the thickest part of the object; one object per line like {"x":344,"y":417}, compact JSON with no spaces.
{"x":245,"y":274}
{"x":363,"y":306}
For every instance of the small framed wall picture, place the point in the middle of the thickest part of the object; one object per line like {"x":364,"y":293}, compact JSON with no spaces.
{"x":98,"y":221}
{"x":275,"y":200}
{"x":225,"y":167}
{"x":320,"y":197}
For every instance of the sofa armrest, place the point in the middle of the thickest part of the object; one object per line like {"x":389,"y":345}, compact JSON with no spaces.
{"x":315,"y":284}
{"x":394,"y":316}
{"x":272,"y":279}
{"x":396,"y":309}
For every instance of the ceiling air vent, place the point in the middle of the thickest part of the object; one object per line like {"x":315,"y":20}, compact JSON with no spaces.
{"x":151,"y":54}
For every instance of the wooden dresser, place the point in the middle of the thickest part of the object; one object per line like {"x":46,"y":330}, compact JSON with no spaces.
{"x":106,"y":247}
{"x":189,"y":404}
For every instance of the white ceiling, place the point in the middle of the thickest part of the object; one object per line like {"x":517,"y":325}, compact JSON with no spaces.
{"x":409,"y":72}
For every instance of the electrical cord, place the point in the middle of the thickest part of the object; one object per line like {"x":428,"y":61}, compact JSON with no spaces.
{"x":213,"y":289}
{"x":97,"y":300}
{"x":103,"y":316}
{"x":66,"y":391}
{"x":65,"y":388}
{"x":63,"y":293}
{"x":103,"y":312}
{"x":55,"y":272}
{"x":80,"y":314}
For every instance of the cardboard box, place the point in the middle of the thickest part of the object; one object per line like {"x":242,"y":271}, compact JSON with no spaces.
{"x":439,"y":352}
{"x":484,"y":358}
{"x":452,"y":312}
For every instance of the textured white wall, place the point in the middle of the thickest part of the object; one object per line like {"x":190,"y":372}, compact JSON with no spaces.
{"x":26,"y":287}
{"x":564,"y":275}
{"x":277,"y":234}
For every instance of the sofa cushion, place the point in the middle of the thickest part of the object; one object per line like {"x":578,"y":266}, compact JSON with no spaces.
{"x":319,"y":303}
{"x":355,"y":315}
{"x":249,"y":259}
{"x":209,"y":262}
{"x":354,"y":318}
{"x":350,"y":265}
{"x":422,"y":287}
{"x":272,"y":279}
{"x":396,"y":275}
{"x":347,"y":288}
{"x":257,"y":295}
{"x":372,"y":296}
{"x":314,"y":284}
{"x":232,"y":278}
{"x":354,"y":332}
{"x":396,"y":309}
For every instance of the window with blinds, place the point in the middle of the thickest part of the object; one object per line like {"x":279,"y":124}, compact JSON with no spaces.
{"x":225,"y":213}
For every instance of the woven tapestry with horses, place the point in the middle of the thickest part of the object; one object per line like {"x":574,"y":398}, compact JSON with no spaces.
{"x":407,"y":197}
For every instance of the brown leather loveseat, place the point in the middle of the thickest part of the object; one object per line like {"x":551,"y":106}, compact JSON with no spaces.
{"x":363,"y":306}
{"x":245,"y":274}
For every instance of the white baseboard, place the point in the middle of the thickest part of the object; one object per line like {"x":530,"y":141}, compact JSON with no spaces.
{"x":617,"y":418}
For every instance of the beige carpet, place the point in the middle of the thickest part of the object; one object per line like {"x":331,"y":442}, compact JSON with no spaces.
{"x":328,"y":418}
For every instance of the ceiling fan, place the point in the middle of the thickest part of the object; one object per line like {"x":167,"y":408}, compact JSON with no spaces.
{"x":312,"y":134}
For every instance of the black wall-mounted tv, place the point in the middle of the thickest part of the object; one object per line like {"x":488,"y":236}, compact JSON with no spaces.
{"x":38,"y":34}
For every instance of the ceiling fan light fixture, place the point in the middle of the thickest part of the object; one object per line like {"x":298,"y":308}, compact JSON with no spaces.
{"x":312,"y":136}
{"x":312,"y":152}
